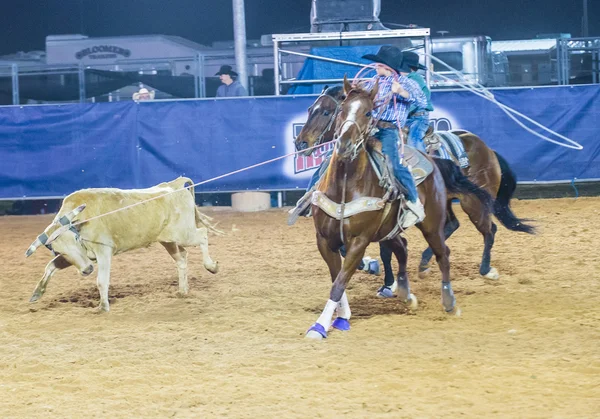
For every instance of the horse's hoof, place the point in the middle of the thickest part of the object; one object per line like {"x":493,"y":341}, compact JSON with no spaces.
{"x":492,"y":274}
{"x":311,"y":334}
{"x":213,"y":268}
{"x":341,"y":324}
{"x":373,"y":267}
{"x":412,"y":302}
{"x":317,"y":332}
{"x":424,"y":273}
{"x":34,"y":298}
{"x":101,"y":309}
{"x":456,"y":311}
{"x":385,"y":292}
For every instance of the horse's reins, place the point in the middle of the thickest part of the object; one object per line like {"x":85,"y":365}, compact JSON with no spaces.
{"x":354,"y":152}
{"x":363,"y":135}
{"x":338,"y":106}
{"x":343,"y":205}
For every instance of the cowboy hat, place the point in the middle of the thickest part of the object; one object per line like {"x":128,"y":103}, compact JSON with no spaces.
{"x":388,"y":55}
{"x":411,"y":59}
{"x":144,"y":92}
{"x":226,"y":69}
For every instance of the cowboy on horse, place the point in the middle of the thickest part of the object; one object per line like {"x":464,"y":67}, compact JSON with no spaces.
{"x":392,"y":113}
{"x":418,"y":116}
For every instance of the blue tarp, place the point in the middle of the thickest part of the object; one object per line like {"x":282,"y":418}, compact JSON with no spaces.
{"x":314,"y":69}
{"x":51,"y":151}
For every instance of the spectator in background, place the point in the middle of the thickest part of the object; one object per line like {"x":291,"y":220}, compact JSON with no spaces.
{"x":230,"y":87}
{"x":143,"y":94}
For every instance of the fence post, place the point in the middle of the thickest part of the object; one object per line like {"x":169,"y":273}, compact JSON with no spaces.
{"x":81,"y":83}
{"x":427,"y":50}
{"x":15,"y":84}
{"x":276,"y":75}
{"x":201,"y":75}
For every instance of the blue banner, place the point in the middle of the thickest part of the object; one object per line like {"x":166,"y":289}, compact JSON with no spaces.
{"x":51,"y":151}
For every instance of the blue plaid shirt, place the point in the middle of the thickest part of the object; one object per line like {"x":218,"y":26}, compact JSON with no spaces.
{"x":416,"y":97}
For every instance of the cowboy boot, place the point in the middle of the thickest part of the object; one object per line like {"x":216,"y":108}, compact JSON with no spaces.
{"x":413,"y":213}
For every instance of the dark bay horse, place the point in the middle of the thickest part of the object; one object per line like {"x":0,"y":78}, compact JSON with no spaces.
{"x":488,"y":169}
{"x":351,"y":178}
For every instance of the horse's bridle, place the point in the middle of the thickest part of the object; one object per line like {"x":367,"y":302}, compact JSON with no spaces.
{"x":355,"y":148}
{"x":338,"y":106}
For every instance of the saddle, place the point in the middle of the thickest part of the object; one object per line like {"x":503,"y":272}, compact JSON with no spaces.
{"x":446,"y":145}
{"x":418,"y":164}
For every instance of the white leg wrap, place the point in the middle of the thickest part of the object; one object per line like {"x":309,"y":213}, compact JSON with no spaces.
{"x":343,"y":308}
{"x":325,"y":317}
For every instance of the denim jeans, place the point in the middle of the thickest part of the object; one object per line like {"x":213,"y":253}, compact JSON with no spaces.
{"x":418,"y":126}
{"x":390,"y":140}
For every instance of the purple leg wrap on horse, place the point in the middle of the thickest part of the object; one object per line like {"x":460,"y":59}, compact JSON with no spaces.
{"x":341,"y":324}
{"x":319,"y":329}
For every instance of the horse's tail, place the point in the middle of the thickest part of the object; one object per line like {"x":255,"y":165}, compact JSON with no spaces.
{"x":457,"y":183}
{"x":502,"y":210}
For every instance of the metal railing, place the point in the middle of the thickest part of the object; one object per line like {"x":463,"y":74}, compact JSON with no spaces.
{"x":279,"y":39}
{"x":566,"y":47}
{"x":17,"y":71}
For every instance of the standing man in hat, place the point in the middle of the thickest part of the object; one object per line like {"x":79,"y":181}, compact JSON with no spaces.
{"x":418,"y":117}
{"x":230,"y":87}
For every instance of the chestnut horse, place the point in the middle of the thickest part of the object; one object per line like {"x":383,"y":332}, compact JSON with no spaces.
{"x":351,"y":178}
{"x":488,"y":169}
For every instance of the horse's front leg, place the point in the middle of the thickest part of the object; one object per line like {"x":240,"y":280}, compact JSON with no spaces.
{"x":337,"y":298}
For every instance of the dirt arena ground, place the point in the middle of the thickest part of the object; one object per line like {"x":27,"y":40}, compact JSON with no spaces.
{"x":527,"y":345}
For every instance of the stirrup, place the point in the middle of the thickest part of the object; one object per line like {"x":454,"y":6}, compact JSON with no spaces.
{"x":409,"y":217}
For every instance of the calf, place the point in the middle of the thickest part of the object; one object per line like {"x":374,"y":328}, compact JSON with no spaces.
{"x":170,"y":218}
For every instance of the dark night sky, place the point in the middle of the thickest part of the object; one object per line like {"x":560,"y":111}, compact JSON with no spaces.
{"x":24,"y":24}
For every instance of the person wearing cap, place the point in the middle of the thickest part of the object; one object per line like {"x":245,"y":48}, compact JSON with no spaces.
{"x":230,"y":87}
{"x":392,"y":118}
{"x":418,"y":116}
{"x":143,"y":94}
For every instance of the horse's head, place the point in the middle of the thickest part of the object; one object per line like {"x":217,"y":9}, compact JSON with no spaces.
{"x":355,"y":120}
{"x":321,"y":116}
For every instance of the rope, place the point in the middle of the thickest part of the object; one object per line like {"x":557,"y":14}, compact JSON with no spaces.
{"x":481,"y":91}
{"x":197,"y":184}
{"x":388,"y":98}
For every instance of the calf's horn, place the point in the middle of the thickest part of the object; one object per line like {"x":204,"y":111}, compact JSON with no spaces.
{"x":68,"y":217}
{"x":39,"y":241}
{"x":43,"y":238}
